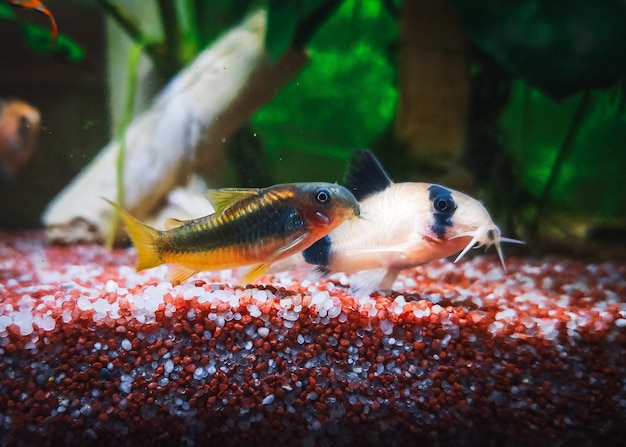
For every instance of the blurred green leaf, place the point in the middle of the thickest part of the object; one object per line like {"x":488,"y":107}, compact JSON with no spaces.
{"x":345,"y":97}
{"x":215,"y":17}
{"x":282,"y":22}
{"x":591,"y":181}
{"x":39,"y":40}
{"x":558,"y":46}
{"x":6,"y":11}
{"x":286,"y":19}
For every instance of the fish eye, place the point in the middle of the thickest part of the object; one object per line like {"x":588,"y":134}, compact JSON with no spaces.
{"x":322,"y":196}
{"x":443,"y":204}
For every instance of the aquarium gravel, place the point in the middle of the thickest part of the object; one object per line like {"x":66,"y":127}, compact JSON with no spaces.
{"x":94,"y":353}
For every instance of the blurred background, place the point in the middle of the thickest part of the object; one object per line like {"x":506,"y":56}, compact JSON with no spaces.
{"x":521,"y":104}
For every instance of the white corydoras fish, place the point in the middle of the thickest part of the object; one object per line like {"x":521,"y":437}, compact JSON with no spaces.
{"x":402,"y":225}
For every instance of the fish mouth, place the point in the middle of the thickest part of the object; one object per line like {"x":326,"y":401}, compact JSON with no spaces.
{"x":486,"y":235}
{"x":353,"y":213}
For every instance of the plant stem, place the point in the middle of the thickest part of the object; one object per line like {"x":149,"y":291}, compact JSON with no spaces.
{"x":562,"y":155}
{"x":128,"y":23}
{"x":170,"y":22}
{"x":566,"y":148}
{"x":133,"y":75}
{"x":124,"y":19}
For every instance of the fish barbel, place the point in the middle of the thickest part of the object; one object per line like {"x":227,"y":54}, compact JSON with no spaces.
{"x":403,"y":225}
{"x":250,"y":227}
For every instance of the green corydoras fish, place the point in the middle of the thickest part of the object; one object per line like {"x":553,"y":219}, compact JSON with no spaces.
{"x":250,"y":227}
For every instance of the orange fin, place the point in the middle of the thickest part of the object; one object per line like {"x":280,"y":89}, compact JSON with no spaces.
{"x":143,"y":237}
{"x":260,"y":269}
{"x":172,"y":222}
{"x":254,"y":273}
{"x":37,"y":5}
{"x":290,"y":246}
{"x":178,"y":273}
{"x":225,"y":197}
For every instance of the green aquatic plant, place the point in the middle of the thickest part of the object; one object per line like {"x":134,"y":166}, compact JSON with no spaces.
{"x":560,"y":47}
{"x":568,"y":156}
{"x":562,"y":122}
{"x":44,"y":40}
{"x":189,"y":26}
{"x":345,"y":98}
{"x":133,"y":69}
{"x":554,"y":132}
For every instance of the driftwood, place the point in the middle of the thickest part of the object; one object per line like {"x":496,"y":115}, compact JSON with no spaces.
{"x":433,"y":78}
{"x":183,"y":132}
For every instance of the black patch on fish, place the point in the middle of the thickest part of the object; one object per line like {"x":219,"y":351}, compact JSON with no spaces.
{"x":292,"y":222}
{"x":443,"y":209}
{"x":319,"y":252}
{"x":365,"y":175}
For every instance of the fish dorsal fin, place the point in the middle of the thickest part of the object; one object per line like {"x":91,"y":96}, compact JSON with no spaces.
{"x":365,"y":175}
{"x":172,"y":222}
{"x":225,"y":197}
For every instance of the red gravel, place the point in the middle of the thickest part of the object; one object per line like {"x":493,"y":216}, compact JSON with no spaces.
{"x":92,"y":353}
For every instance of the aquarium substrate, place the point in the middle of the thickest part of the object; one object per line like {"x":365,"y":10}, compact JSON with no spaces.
{"x":94,"y":353}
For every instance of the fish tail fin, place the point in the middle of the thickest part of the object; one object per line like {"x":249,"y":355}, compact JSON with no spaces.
{"x":143,"y":238}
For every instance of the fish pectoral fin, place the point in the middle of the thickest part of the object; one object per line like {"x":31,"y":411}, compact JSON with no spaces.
{"x":172,"y":222}
{"x":390,"y":277}
{"x":225,"y":197}
{"x":319,"y":272}
{"x":260,"y":269}
{"x":288,"y":263}
{"x":254,"y":273}
{"x":289,"y":247}
{"x":179,"y":273}
{"x":366,"y":282}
